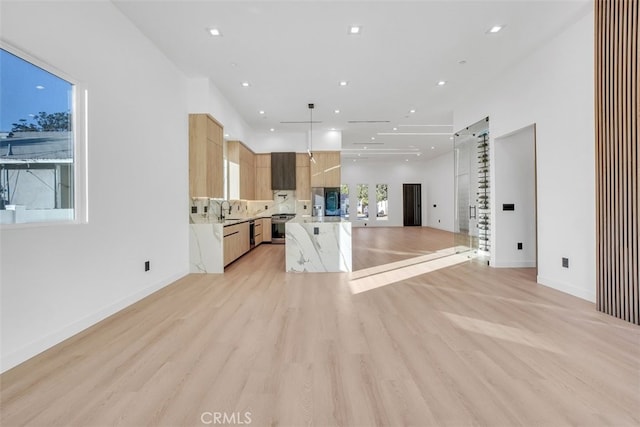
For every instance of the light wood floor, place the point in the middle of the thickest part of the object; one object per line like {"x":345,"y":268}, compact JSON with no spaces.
{"x":465,"y":345}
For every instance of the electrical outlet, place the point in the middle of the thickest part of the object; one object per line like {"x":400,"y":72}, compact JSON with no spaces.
{"x":316,"y":230}
{"x":206,"y":209}
{"x":194,"y":209}
{"x":147,"y":265}
{"x":519,"y":246}
{"x":565,"y":262}
{"x":266,"y":207}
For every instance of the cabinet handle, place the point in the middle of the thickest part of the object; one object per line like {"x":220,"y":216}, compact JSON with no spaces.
{"x":231,"y":234}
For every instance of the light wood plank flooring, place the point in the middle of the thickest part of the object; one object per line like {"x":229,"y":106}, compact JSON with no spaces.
{"x":465,"y":345}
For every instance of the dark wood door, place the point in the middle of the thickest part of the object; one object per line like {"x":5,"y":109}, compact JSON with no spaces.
{"x":412,"y":204}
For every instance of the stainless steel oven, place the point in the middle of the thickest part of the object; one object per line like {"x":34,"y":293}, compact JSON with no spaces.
{"x":278,"y":222}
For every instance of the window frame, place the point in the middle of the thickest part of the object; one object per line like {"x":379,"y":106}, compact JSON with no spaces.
{"x":80,"y":132}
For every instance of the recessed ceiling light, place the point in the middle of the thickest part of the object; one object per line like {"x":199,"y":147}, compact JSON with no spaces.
{"x":336,"y":111}
{"x":450,"y":137}
{"x":418,"y":154}
{"x":406,"y":160}
{"x":226,"y":135}
{"x":359,"y":154}
{"x":395,"y":128}
{"x":442,"y":83}
{"x":373,"y":138}
{"x":261,"y":112}
{"x":355,"y":29}
{"x":333,"y":129}
{"x":495,"y":29}
{"x":433,"y":148}
{"x":39,"y":87}
{"x":246,"y":84}
{"x":344,"y":83}
{"x":412,"y":111}
{"x":272,"y":130}
{"x":214,"y":32}
{"x":354,"y":160}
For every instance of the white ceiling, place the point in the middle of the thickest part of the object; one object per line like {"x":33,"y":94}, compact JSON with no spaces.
{"x":294,"y":53}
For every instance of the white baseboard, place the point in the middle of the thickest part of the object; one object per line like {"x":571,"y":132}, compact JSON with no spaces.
{"x":16,"y":357}
{"x":568,"y":288}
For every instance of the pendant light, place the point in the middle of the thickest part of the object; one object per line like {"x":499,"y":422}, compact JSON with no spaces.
{"x":310,"y":147}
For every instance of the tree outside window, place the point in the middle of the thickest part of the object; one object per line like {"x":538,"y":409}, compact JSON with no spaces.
{"x":382,"y":202}
{"x":344,"y":201}
{"x":363,"y":201}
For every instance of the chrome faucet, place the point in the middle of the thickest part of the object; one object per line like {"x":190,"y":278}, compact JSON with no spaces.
{"x":222,"y":208}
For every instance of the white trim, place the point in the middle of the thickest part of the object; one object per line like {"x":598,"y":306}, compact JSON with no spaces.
{"x":567,"y":288}
{"x":20,"y":355}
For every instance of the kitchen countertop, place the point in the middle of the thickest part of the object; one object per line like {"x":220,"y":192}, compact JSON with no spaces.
{"x":228,"y":222}
{"x":199,"y":219}
{"x":305,"y":219}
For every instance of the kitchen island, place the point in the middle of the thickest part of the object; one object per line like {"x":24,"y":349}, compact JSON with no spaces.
{"x":318,"y":245}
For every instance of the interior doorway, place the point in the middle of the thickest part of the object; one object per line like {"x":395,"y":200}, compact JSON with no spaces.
{"x":516,"y":199}
{"x":412,"y":205}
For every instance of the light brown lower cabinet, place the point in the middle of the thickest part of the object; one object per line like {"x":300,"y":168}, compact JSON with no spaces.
{"x":235,"y":242}
{"x":266,"y":230}
{"x":257,"y":234}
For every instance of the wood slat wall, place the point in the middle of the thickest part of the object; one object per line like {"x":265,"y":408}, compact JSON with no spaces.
{"x":617,"y":158}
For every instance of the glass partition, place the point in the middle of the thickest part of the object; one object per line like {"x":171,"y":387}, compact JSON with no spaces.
{"x":471,"y":186}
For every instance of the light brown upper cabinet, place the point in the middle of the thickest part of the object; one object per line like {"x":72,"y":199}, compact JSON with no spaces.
{"x":206,"y":171}
{"x":263,"y":177}
{"x":303,"y":179}
{"x":241,"y":171}
{"x":325,"y":172}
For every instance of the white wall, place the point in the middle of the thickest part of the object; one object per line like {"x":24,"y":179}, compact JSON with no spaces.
{"x":204,"y":97}
{"x":515,"y":183}
{"x":436,"y":177}
{"x":58,"y":280}
{"x":440,"y":192}
{"x":553,"y":88}
{"x":296,"y":141}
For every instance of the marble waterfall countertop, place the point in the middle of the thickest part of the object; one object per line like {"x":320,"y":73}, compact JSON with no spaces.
{"x":318,"y":244}
{"x":206,"y":242}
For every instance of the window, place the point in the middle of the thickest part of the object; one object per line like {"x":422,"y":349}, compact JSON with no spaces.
{"x":344,"y":201}
{"x":363,"y":201}
{"x":382,"y":202}
{"x":38,"y":171}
